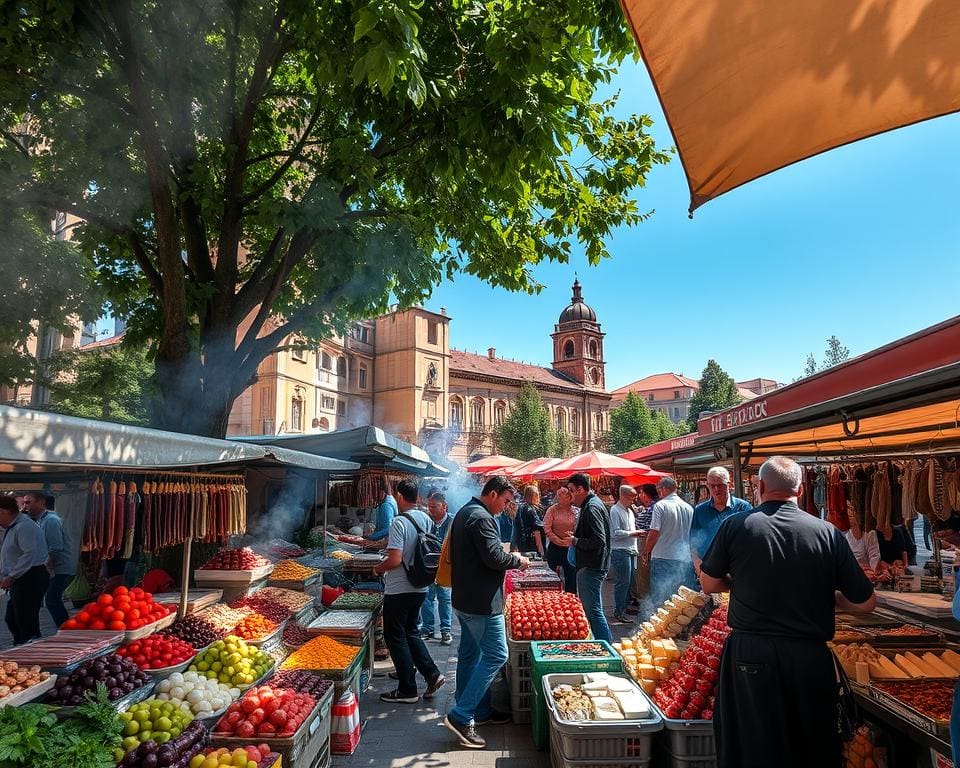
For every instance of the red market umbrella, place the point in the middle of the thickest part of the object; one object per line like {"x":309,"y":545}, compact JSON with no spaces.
{"x":595,"y":464}
{"x":528,"y":468}
{"x":490,"y":465}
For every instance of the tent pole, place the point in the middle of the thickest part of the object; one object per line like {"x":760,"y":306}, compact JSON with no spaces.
{"x":326,"y":497}
{"x":185,"y":569}
{"x":737,"y":471}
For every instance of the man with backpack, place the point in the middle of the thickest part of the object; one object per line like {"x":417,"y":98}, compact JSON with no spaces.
{"x":412,"y":558}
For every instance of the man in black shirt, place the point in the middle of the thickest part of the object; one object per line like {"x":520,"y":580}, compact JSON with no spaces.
{"x":787,"y":573}
{"x":591,"y":539}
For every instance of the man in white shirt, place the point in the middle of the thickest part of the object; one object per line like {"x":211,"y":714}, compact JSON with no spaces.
{"x":402,"y":602}
{"x":623,"y":550}
{"x":23,"y":570}
{"x":667,"y":547}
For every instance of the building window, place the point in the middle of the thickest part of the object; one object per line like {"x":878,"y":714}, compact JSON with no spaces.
{"x":575,"y":422}
{"x":456,"y":412}
{"x":342,"y":366}
{"x":363,"y":377}
{"x":499,"y":413}
{"x":568,"y":350}
{"x":561,"y":420}
{"x":323,"y":424}
{"x":676,"y":394}
{"x":650,"y":397}
{"x":476,"y":414}
{"x":328,"y":403}
{"x":341,"y":408}
{"x":326,"y":362}
{"x":599,"y":419}
{"x":594,"y":350}
{"x":595,"y":376}
{"x":432,"y":331}
{"x":299,"y":353}
{"x":296,"y":415}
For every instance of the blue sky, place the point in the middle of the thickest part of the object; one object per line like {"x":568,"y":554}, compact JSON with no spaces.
{"x":862,"y":242}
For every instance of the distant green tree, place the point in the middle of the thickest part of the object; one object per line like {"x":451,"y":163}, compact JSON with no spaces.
{"x":717,"y":391}
{"x":811,"y":366}
{"x":564,"y":444}
{"x":526,"y":432}
{"x":665,"y":428}
{"x":631,"y":425}
{"x":107,"y":385}
{"x":834,"y":354}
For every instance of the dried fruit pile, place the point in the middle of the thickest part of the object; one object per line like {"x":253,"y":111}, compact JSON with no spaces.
{"x":321,"y":653}
{"x":265,"y":605}
{"x":223,"y":618}
{"x":254,"y":627}
{"x":291,"y":600}
{"x":291,"y":570}
{"x":235,"y":560}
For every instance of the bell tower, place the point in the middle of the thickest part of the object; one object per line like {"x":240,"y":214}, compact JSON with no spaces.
{"x":578,"y":343}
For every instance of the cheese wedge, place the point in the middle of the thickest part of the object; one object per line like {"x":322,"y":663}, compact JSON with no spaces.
{"x":648,"y":672}
{"x":648,"y":686}
{"x":606,"y":708}
{"x":940,"y":667}
{"x":690,"y":611}
{"x":620,"y":685}
{"x":952,"y":658}
{"x":890,"y":669}
{"x":632,"y":704}
{"x":921,"y":664}
{"x":908,"y":666}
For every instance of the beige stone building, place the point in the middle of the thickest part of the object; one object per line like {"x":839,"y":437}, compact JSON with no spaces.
{"x":401,"y":373}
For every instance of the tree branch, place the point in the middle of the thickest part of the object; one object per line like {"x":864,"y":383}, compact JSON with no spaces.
{"x":16,"y":143}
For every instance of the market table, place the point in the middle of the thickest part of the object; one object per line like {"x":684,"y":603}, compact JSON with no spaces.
{"x":899,"y":724}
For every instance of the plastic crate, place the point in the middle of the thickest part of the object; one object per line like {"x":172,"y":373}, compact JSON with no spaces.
{"x":541,"y":666}
{"x":625,"y":741}
{"x":519,"y":650}
{"x":663,"y":758}
{"x":558,"y":760}
{"x":305,"y":749}
{"x":689,"y":739}
{"x":520,"y":707}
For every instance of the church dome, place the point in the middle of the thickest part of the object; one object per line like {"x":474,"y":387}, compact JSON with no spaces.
{"x":577,"y":311}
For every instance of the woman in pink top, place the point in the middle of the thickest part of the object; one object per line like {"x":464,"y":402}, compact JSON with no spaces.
{"x":559,"y":524}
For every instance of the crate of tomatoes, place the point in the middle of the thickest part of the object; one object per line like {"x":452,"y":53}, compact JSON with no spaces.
{"x":131,"y":611}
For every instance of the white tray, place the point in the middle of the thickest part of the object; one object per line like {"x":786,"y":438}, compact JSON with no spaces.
{"x":28,"y":694}
{"x":138,"y":634}
{"x":202,"y":576}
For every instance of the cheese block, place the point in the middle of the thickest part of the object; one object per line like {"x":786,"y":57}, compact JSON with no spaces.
{"x":665,"y":615}
{"x":648,"y":686}
{"x":889,"y":669}
{"x":647,"y":672}
{"x":907,"y":666}
{"x":600,"y":693}
{"x":690,"y":611}
{"x":683,"y":620}
{"x":662,"y":671}
{"x":632,"y":704}
{"x":940,"y":667}
{"x":606,"y":708}
{"x":951,"y":658}
{"x":619,"y":685}
{"x":644,"y":658}
{"x":686,"y":592}
{"x":922,"y":665}
{"x":594,"y":685}
{"x":699,"y":600}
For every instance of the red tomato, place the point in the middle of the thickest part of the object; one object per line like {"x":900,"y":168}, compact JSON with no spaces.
{"x":99,"y":625}
{"x":245,"y":730}
{"x":117,"y":626}
{"x":105,"y":599}
{"x":70,"y":624}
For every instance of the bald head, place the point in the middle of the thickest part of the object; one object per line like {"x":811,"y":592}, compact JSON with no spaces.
{"x":780,"y":477}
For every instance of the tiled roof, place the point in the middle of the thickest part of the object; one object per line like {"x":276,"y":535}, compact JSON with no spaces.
{"x":111,"y":341}
{"x":467,"y":362}
{"x":658,"y":381}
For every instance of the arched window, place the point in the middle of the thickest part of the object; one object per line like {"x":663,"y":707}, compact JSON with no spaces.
{"x":594,"y":349}
{"x":568,"y":351}
{"x":341,"y":366}
{"x":575,"y":422}
{"x":326,"y":362}
{"x":323,"y":424}
{"x":296,"y":414}
{"x":499,"y":413}
{"x":595,"y":376}
{"x":561,"y":420}
{"x":599,"y":420}
{"x":456,"y":412}
{"x":476,"y":414}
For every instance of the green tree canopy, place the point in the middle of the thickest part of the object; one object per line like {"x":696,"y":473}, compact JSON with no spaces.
{"x":526,"y":432}
{"x":108,"y":385}
{"x":252,"y":173}
{"x":717,"y":391}
{"x":834,"y":354}
{"x":665,"y":428}
{"x":631,"y":425}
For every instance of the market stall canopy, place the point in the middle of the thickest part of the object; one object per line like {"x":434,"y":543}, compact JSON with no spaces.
{"x":529,"y":468}
{"x":491,"y":464}
{"x":753,"y":86}
{"x":596,"y":464}
{"x":367,"y":446}
{"x":37,"y":440}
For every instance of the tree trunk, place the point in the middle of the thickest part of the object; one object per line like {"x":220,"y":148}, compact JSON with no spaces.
{"x":190,"y":405}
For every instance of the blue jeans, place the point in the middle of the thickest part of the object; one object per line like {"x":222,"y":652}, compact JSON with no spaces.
{"x":427,"y":620}
{"x":666,"y":577}
{"x":624,"y":562}
{"x":589,"y":583}
{"x":955,"y":722}
{"x":53,"y":599}
{"x":482,"y":652}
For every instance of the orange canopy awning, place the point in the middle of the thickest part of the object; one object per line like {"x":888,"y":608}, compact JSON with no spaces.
{"x":749,"y":87}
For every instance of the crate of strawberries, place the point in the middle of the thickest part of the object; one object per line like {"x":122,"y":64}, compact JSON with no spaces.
{"x":294,"y":723}
{"x":233,"y":566}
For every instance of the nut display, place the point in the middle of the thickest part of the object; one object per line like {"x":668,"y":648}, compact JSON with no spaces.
{"x":291,"y":600}
{"x":264,"y":605}
{"x":14,"y":678}
{"x":223,"y":618}
{"x":291,"y":570}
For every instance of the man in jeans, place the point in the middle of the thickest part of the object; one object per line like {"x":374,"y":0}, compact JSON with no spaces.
{"x":60,"y":562}
{"x":402,"y":602}
{"x":591,"y":540}
{"x":437,"y":509}
{"x":477,"y":565}
{"x":667,"y":547}
{"x":623,"y":554}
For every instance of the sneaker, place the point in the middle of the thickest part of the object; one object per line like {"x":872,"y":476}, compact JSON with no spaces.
{"x":435,"y":686}
{"x":425,"y":635}
{"x":394,"y":697}
{"x":495,"y":718}
{"x":446,"y":639}
{"x":466,"y":734}
{"x":618,"y":619}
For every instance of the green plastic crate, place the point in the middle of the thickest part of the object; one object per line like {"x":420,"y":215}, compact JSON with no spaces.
{"x":541,"y":666}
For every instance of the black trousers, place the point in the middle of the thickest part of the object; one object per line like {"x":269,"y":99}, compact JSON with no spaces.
{"x":401,"y":615}
{"x":557,"y":558}
{"x":23,"y":604}
{"x":776,"y":704}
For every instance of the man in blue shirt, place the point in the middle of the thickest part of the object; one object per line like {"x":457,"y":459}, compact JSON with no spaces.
{"x":23,"y":570}
{"x":60,"y":562}
{"x":505,"y":522}
{"x":437,"y":509}
{"x":385,"y":512}
{"x":708,"y":515}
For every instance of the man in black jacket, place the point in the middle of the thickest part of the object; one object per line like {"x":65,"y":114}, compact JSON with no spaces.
{"x":591,"y":539}
{"x":477,"y":565}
